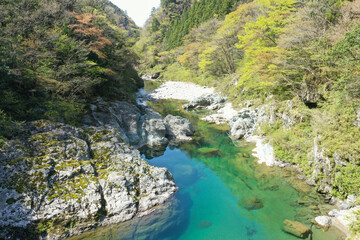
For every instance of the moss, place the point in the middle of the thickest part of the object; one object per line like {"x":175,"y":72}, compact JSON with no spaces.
{"x":97,"y":137}
{"x":56,"y":226}
{"x":3,"y":142}
{"x":43,"y":123}
{"x":40,"y":137}
{"x":11,"y":200}
{"x":15,"y":161}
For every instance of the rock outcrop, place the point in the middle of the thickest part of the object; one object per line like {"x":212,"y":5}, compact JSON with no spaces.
{"x":321,"y":165}
{"x":178,"y":128}
{"x":67,"y":180}
{"x":138,"y":125}
{"x":244,"y":124}
{"x":223,"y":115}
{"x":346,"y":215}
{"x":57,"y":180}
{"x":209,"y":101}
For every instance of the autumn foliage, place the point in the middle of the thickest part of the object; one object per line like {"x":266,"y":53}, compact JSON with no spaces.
{"x":56,"y":56}
{"x":84,"y":29}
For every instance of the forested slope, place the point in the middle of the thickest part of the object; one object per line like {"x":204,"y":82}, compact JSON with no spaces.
{"x":299,"y":58}
{"x":58,"y":55}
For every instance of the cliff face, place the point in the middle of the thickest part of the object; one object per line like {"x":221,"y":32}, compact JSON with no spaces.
{"x":57,"y":180}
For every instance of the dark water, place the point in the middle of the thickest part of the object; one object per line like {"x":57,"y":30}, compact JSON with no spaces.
{"x":218,"y":183}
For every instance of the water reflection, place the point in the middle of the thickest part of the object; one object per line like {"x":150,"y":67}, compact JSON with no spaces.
{"x":167,"y":222}
{"x":152,"y":152}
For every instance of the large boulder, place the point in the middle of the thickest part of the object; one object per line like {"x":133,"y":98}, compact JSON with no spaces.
{"x":54,"y":176}
{"x":152,"y":129}
{"x":178,"y":127}
{"x":209,"y":101}
{"x":296,"y":228}
{"x":244,"y":124}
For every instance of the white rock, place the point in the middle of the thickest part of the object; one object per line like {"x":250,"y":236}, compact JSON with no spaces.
{"x":223,"y":115}
{"x":345,"y":217}
{"x":323,"y":221}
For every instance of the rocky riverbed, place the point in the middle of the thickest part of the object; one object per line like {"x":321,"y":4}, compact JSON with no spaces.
{"x":58,"y":180}
{"x":178,"y":90}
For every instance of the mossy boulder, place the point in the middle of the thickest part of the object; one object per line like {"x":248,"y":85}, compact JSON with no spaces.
{"x":296,"y":228}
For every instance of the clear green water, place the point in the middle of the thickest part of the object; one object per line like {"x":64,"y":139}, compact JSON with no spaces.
{"x":215,"y":177}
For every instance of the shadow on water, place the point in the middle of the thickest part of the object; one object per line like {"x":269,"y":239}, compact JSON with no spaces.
{"x":168,"y":221}
{"x":152,"y":152}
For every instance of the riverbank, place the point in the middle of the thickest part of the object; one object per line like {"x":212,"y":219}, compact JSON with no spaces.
{"x":263,"y":151}
{"x":190,"y":92}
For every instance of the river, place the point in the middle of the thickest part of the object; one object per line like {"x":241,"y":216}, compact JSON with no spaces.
{"x":223,"y":194}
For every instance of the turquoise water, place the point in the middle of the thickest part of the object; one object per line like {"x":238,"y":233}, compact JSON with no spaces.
{"x":214,"y":211}
{"x":216,"y":178}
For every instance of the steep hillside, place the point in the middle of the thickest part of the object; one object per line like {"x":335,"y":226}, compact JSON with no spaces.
{"x":298,"y":58}
{"x":58,"y":55}
{"x":168,"y":25}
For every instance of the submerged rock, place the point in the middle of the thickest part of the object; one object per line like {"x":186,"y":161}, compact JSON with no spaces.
{"x":269,"y":187}
{"x":58,"y":175}
{"x":204,"y":224}
{"x":252,"y":203}
{"x":178,"y":128}
{"x":210,"y":152}
{"x":296,"y":228}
